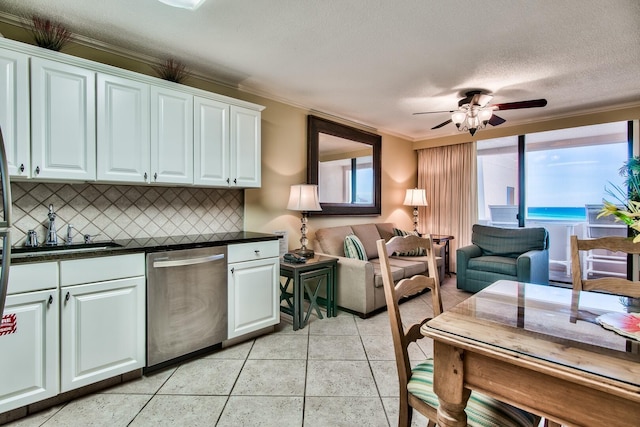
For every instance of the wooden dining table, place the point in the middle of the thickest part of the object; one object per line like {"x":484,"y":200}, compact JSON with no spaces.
{"x":516,"y":342}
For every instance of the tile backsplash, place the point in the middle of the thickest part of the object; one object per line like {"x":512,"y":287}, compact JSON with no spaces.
{"x":122,"y":212}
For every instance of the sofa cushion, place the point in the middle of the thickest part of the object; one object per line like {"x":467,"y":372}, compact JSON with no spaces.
{"x":396,"y":272}
{"x":353,"y":248}
{"x":495,"y":264}
{"x":368,"y":235}
{"x":385,"y":229}
{"x":331,"y":240}
{"x":410,"y":265}
{"x":509,"y":242}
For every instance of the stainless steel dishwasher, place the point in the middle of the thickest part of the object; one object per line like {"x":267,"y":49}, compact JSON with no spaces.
{"x":186,"y":302}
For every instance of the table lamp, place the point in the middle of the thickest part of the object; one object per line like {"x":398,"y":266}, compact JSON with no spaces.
{"x":415,"y":197}
{"x":304,"y":198}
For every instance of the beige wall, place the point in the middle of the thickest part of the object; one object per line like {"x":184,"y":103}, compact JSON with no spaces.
{"x":284,"y":155}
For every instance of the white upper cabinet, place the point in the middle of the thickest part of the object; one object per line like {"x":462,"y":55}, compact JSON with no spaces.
{"x":171,"y":136}
{"x":63,"y":121}
{"x":245,"y":147}
{"x":123,"y":147}
{"x":70,"y":119}
{"x":14,"y":111}
{"x":226,"y":144}
{"x":211,"y":142}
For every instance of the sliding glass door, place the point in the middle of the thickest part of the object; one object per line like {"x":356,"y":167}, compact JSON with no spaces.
{"x":564,"y":175}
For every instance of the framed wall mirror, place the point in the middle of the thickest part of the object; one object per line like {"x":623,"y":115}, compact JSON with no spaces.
{"x":345,"y":164}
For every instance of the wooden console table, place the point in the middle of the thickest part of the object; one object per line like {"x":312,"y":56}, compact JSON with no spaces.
{"x":444,"y":239}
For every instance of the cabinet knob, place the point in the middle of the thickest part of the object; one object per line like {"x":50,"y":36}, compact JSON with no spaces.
{"x":145,"y":176}
{"x":227,"y":180}
{"x":232,"y":270}
{"x":235,"y":181}
{"x":155,"y":176}
{"x":37,"y":170}
{"x":21,"y":167}
{"x":66,"y":297}
{"x":50,"y":301}
{"x":257,"y":251}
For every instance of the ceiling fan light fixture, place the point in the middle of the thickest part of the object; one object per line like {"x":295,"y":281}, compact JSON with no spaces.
{"x":485,"y":115}
{"x":458,"y":117}
{"x":184,"y":4}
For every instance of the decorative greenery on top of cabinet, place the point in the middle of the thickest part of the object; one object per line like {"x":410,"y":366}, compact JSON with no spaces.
{"x":107,"y":124}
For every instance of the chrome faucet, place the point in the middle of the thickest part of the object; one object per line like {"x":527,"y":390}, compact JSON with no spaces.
{"x":52,"y":236}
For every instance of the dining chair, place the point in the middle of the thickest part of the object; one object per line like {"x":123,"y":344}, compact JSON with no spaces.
{"x":615,"y":285}
{"x":416,"y":385}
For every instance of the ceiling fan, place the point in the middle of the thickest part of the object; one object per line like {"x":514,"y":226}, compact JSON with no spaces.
{"x":474,"y":111}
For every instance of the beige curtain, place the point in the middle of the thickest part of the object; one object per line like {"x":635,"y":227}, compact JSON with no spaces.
{"x":448,"y":174}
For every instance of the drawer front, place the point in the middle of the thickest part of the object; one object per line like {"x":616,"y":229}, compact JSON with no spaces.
{"x":89,"y":270}
{"x":255,"y":250}
{"x":32,"y":277}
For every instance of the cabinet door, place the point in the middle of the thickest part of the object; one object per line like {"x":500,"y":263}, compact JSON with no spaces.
{"x":123,"y":130}
{"x":102,"y":331}
{"x":29,"y":349}
{"x":63,"y":121}
{"x":171,"y":136}
{"x":253,"y":296}
{"x":245,"y":147}
{"x":211,"y":143}
{"x":14,"y":111}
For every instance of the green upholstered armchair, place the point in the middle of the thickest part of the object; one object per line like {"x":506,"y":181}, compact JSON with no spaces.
{"x":520,"y":254}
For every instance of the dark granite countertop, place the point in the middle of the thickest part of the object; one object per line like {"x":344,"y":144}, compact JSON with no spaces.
{"x":120,"y":247}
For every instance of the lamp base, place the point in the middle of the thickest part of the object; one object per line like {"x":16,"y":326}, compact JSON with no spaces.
{"x":304,"y":252}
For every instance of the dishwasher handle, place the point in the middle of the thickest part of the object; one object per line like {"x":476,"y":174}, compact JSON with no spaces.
{"x":186,"y":261}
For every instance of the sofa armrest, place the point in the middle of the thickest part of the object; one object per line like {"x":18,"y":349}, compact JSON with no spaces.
{"x":355,"y":284}
{"x":533,"y":267}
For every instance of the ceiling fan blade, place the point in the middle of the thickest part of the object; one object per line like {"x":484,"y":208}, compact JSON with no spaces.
{"x":432,"y":112}
{"x":496,"y":120}
{"x":521,"y":104}
{"x":441,"y":124}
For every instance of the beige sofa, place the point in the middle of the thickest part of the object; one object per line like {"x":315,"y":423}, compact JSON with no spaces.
{"x":359,"y":285}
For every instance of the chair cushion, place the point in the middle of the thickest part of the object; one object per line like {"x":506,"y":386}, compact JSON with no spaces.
{"x":495,"y":264}
{"x":481,"y":410}
{"x":353,"y":248}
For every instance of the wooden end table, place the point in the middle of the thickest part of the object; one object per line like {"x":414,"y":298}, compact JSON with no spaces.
{"x":319,"y":271}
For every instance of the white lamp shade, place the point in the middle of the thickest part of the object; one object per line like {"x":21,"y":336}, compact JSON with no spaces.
{"x":184,"y":4}
{"x":415,"y":197}
{"x":304,"y":197}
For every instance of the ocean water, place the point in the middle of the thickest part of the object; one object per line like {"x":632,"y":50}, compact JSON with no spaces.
{"x":557,"y":213}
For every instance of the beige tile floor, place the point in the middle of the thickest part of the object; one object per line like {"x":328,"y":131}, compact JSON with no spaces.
{"x":334,"y":372}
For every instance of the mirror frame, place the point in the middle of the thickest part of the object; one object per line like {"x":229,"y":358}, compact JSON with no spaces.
{"x":316,"y":126}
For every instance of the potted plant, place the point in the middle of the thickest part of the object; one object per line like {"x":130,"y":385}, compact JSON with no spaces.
{"x":628,"y":198}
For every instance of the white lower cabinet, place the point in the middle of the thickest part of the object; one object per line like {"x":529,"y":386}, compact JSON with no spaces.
{"x":102,"y":323}
{"x":101,"y":332}
{"x":29,"y":338}
{"x":254,"y":298}
{"x":29,"y":349}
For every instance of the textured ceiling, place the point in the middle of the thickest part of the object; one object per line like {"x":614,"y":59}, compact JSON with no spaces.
{"x":376,"y":62}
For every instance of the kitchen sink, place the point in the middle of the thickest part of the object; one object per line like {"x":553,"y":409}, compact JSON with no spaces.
{"x":65,"y":249}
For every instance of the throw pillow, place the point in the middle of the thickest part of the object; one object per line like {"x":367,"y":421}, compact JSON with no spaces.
{"x":412,"y":252}
{"x":353,"y":248}
{"x":399,"y":232}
